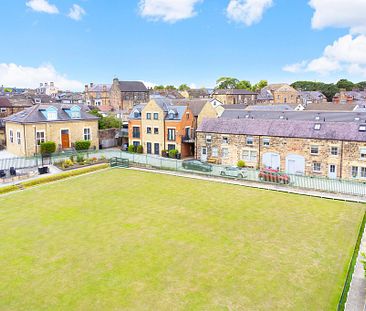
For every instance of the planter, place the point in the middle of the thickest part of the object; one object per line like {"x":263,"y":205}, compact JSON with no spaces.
{"x":43,"y":170}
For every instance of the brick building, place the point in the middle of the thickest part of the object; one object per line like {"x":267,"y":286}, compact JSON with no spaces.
{"x":311,"y":147}
{"x":235,"y":96}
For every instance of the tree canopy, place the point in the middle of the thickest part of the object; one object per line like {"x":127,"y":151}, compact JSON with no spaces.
{"x":234,"y":83}
{"x":107,"y":122}
{"x":184,"y":87}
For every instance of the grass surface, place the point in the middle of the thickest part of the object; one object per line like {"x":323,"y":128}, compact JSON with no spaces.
{"x":128,"y":240}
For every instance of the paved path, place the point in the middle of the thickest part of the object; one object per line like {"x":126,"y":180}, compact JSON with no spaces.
{"x":260,"y":185}
{"x":357,"y":292}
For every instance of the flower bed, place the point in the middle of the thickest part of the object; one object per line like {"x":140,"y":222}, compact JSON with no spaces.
{"x":79,"y":161}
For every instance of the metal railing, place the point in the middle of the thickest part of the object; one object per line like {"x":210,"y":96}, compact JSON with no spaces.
{"x":341,"y":186}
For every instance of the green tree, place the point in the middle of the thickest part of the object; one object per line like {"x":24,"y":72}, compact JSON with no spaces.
{"x":361,"y":85}
{"x":226,"y":83}
{"x":106,"y":122}
{"x":159,"y":87}
{"x":345,"y":84}
{"x":170,"y":87}
{"x":244,"y":84}
{"x":184,"y":87}
{"x":260,"y":85}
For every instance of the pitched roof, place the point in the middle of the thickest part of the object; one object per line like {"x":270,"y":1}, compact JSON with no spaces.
{"x":100,"y":87}
{"x":272,"y":107}
{"x":330,"y":107}
{"x":233,"y":92}
{"x":5,"y":102}
{"x":348,"y":131}
{"x":34,"y":115}
{"x":132,"y":86}
{"x":196,"y":105}
{"x":326,"y":116}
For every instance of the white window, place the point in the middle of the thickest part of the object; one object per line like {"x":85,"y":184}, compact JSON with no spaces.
{"x":40,"y":137}
{"x":316,"y":167}
{"x":215,"y":152}
{"x":3,"y":110}
{"x":334,"y":150}
{"x":363,"y":153}
{"x":19,"y":141}
{"x":225,"y":152}
{"x":11,"y":136}
{"x":354,"y":171}
{"x":314,"y":150}
{"x":317,"y":126}
{"x":208,"y":138}
{"x":266,"y":141}
{"x":249,"y":155}
{"x":250,"y":140}
{"x":87,"y":135}
{"x":52,"y":115}
{"x":362,"y":128}
{"x":363,"y":172}
{"x":171,"y":134}
{"x":225,"y":139}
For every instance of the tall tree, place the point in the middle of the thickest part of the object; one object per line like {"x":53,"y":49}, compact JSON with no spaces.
{"x":345,"y":84}
{"x":159,"y":87}
{"x":170,"y":87}
{"x":244,"y":84}
{"x":226,"y":83}
{"x":260,"y":85}
{"x":184,"y":87}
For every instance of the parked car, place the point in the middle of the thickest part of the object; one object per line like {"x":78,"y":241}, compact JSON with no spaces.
{"x":273,"y":176}
{"x":197,"y":165}
{"x":233,"y":171}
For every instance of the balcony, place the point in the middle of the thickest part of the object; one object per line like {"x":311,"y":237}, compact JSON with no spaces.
{"x":188,"y":138}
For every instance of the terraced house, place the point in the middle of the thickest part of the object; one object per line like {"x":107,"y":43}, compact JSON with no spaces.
{"x":63,"y":124}
{"x":160,"y":126}
{"x":333,"y":149}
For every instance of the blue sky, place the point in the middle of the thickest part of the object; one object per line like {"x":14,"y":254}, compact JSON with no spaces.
{"x":187,"y":41}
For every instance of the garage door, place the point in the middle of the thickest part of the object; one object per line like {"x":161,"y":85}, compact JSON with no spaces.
{"x":295,"y":164}
{"x":271,"y":160}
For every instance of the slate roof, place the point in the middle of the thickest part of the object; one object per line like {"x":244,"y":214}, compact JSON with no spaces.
{"x":196,"y":105}
{"x":234,"y":106}
{"x":5,"y":102}
{"x":33,"y":114}
{"x":165,"y":104}
{"x":233,"y":92}
{"x":331,"y":107}
{"x":273,"y":107}
{"x":99,"y":88}
{"x":132,"y":86}
{"x":347,"y":131}
{"x":198,"y":93}
{"x":312,"y":95}
{"x":265,"y":94}
{"x":296,"y":115}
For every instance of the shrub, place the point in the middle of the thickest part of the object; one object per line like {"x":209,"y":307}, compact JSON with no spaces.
{"x":139,"y":149}
{"x":48,"y":147}
{"x":72,"y":158}
{"x":82,"y":145}
{"x":80,"y":158}
{"x":102,"y":157}
{"x":63,"y":175}
{"x":241,"y":164}
{"x":131,"y":148}
{"x":173,"y":153}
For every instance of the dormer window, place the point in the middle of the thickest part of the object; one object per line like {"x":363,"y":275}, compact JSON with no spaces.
{"x":317,"y":118}
{"x":362,"y":128}
{"x":317,"y":126}
{"x":357,"y":119}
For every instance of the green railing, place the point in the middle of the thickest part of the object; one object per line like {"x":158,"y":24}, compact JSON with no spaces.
{"x":119,"y":162}
{"x":351,"y":267}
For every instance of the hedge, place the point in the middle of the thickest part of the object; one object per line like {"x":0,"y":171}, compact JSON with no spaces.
{"x":82,"y":145}
{"x":7,"y":189}
{"x":48,"y":147}
{"x":55,"y":177}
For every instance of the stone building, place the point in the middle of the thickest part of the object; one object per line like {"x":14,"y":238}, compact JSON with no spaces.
{"x":126,"y":94}
{"x":280,"y":93}
{"x":311,"y":147}
{"x":63,"y":124}
{"x":97,"y":94}
{"x":235,"y":96}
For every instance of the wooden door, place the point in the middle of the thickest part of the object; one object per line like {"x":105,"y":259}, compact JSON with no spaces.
{"x":65,"y":139}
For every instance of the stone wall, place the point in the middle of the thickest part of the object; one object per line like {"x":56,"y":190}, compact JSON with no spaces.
{"x":233,"y":146}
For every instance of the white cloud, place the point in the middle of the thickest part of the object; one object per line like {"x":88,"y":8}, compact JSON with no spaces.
{"x":297,"y":67}
{"x":339,"y":13}
{"x":247,"y":12}
{"x":30,"y":77}
{"x":168,"y":10}
{"x":42,"y":6}
{"x":347,"y":54}
{"x":76,"y":12}
{"x":148,"y":84}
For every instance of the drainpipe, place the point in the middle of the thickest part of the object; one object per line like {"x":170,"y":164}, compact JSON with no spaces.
{"x":25,"y":141}
{"x":341,"y":163}
{"x":259,"y":152}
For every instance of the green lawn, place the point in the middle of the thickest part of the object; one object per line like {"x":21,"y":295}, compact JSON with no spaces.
{"x":128,"y":240}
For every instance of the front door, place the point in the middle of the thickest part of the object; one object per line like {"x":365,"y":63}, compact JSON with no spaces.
{"x":204,"y":154}
{"x":332,"y":172}
{"x":156,"y":149}
{"x":65,"y":139}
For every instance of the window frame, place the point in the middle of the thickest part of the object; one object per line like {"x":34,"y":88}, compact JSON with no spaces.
{"x":311,"y":150}
{"x":87,"y":134}
{"x":317,"y":164}
{"x":249,"y":140}
{"x":18,"y":138}
{"x":156,"y":116}
{"x":40,"y":140}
